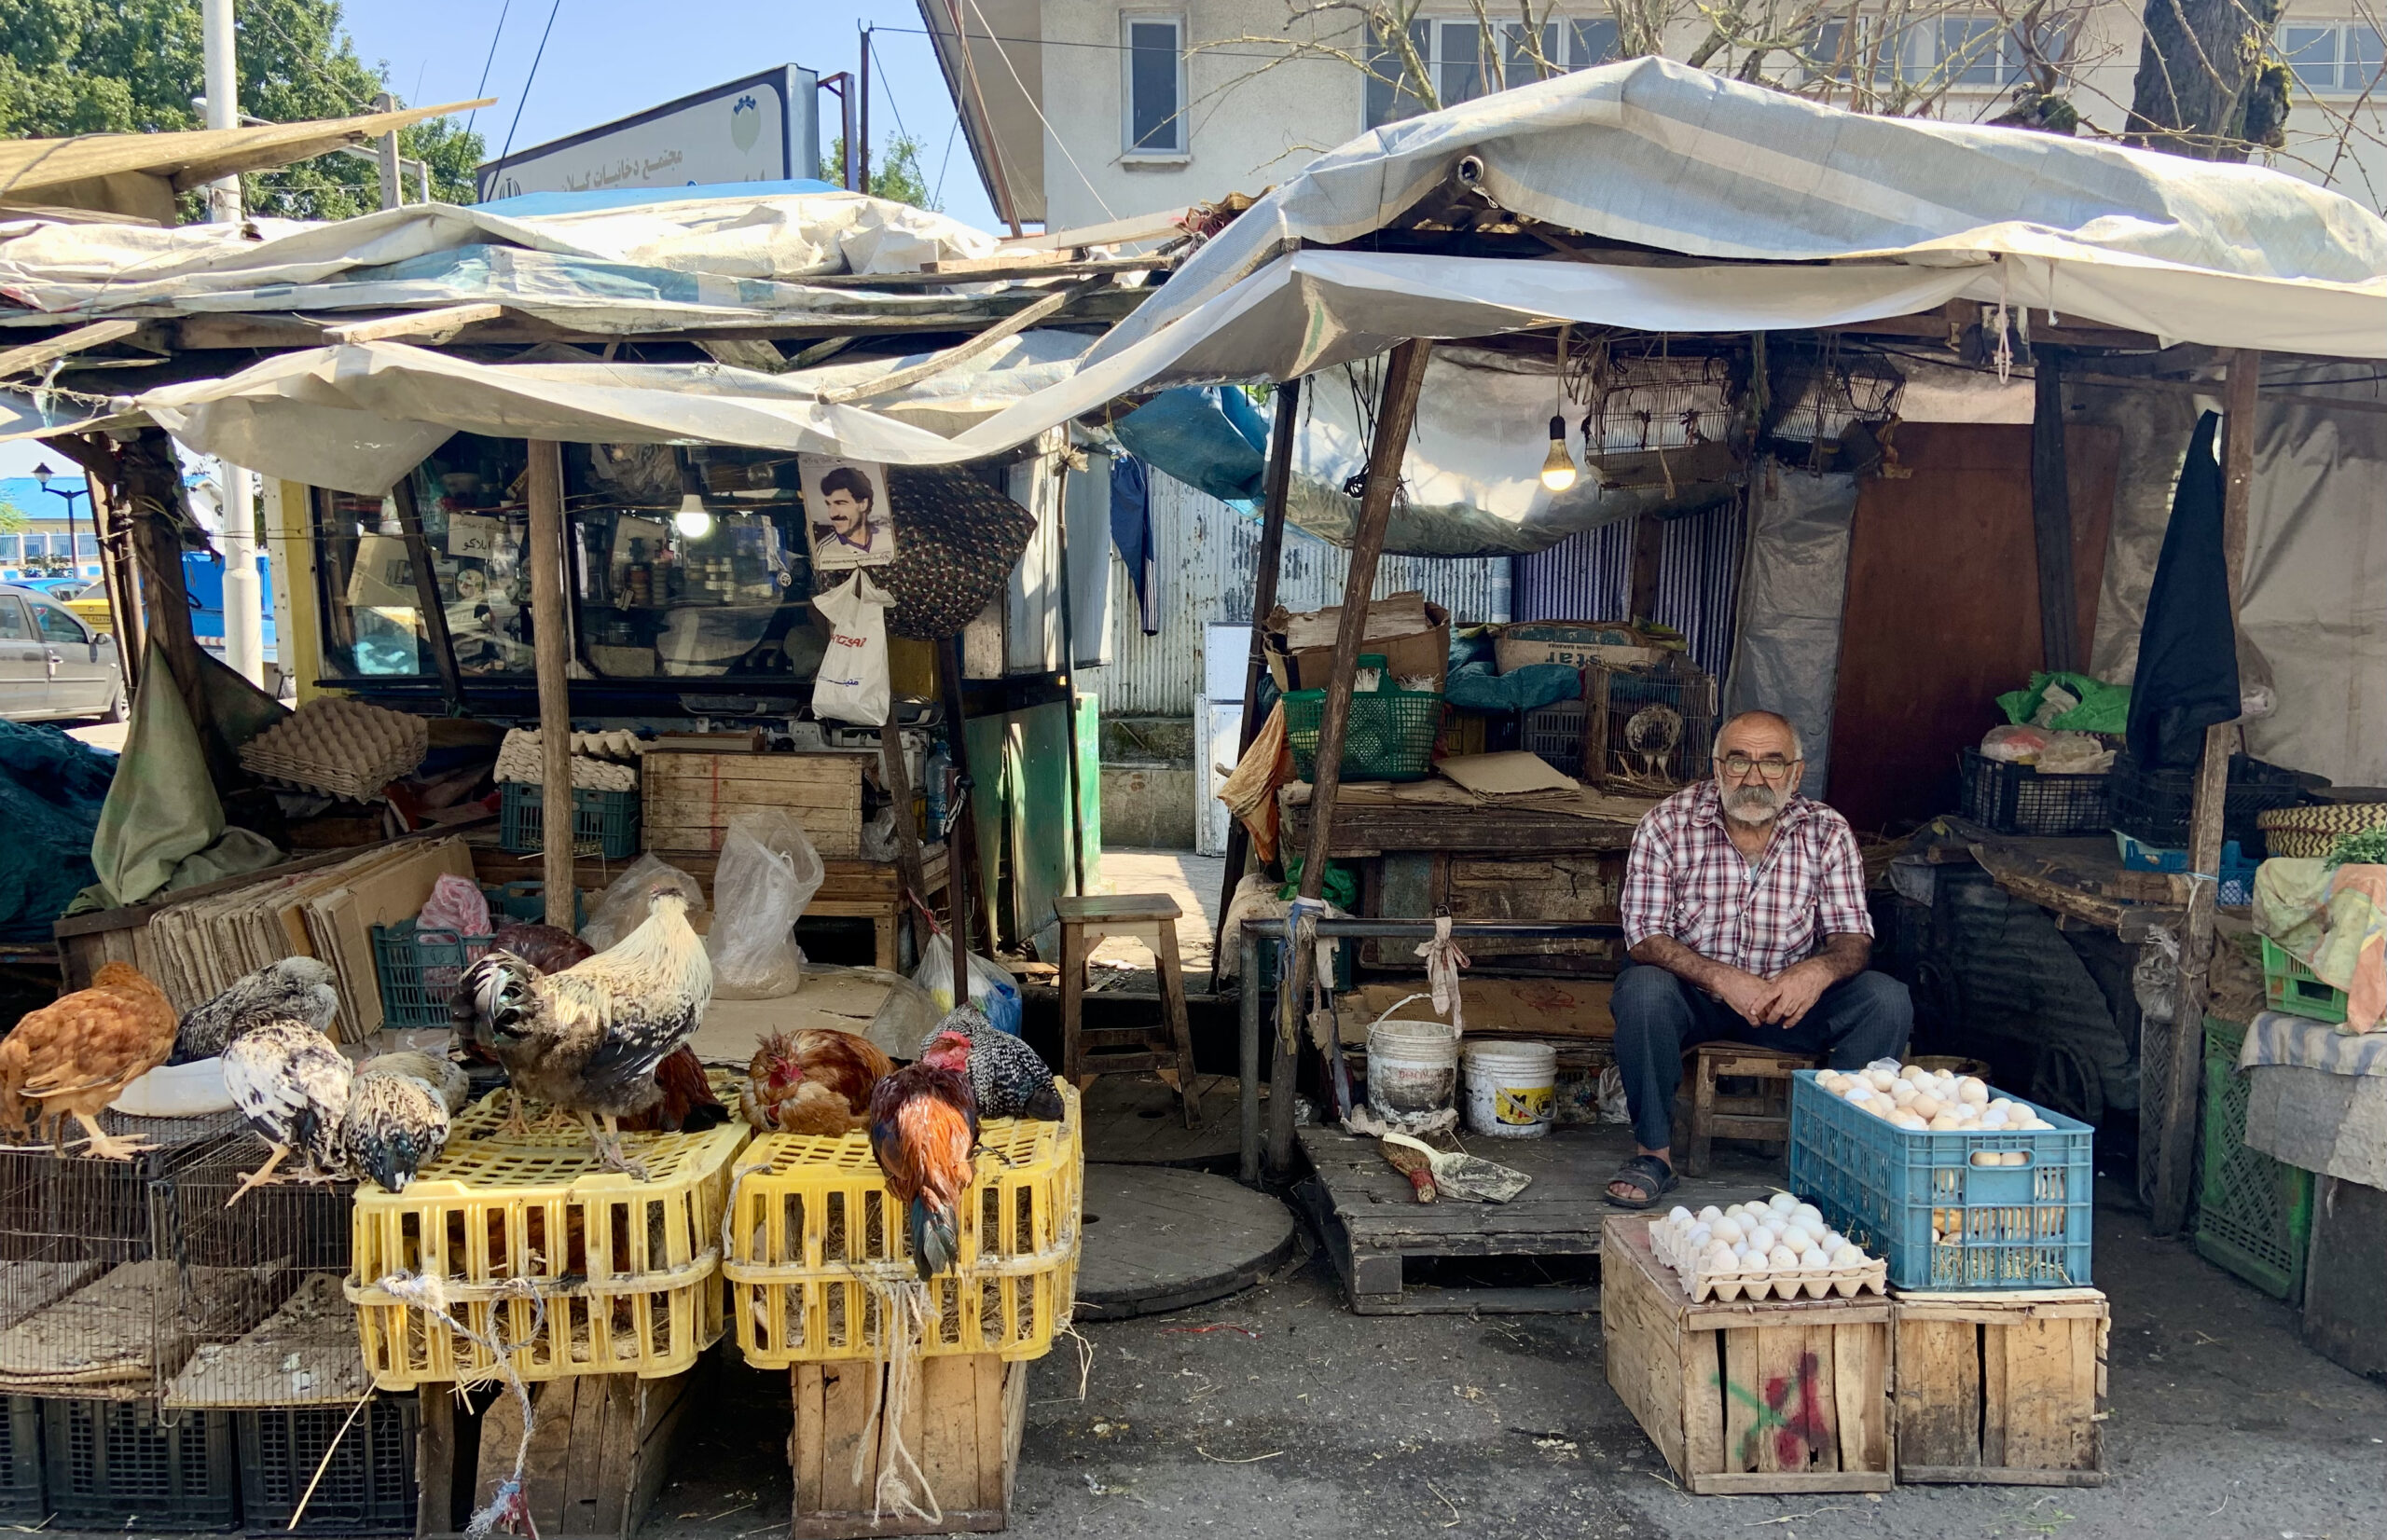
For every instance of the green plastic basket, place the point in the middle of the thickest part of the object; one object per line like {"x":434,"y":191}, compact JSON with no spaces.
{"x":603,"y":823}
{"x":2289,"y":985}
{"x":1390,"y":735}
{"x":2254,"y":1213}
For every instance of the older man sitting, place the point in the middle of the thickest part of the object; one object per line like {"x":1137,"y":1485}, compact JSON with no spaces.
{"x":1744,"y":917}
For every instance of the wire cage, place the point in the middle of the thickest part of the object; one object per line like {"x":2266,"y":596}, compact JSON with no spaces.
{"x":1659,"y":419}
{"x":1834,"y":401}
{"x":1640,"y":732}
{"x":258,"y":1318}
{"x":87,"y":1298}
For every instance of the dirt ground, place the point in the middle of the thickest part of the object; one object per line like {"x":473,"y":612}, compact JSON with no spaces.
{"x":1291,"y":1416}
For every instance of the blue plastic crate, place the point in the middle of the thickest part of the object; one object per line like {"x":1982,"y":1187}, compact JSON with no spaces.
{"x":2237,"y":877}
{"x":2004,"y":1226}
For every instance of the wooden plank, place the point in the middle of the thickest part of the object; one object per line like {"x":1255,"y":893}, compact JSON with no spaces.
{"x":834,"y":766}
{"x":425,"y":328}
{"x":847,"y":1403}
{"x":1991,"y":1476}
{"x":1744,"y":1447}
{"x":804,"y":1440}
{"x":434,"y":1462}
{"x":1861,"y":1373}
{"x":28,"y":357}
{"x":960,"y":354}
{"x":2048,"y":1390}
{"x":1732,"y":1484}
{"x":1938,"y":1391}
{"x":1698,"y":1379}
{"x":987,"y":1377}
{"x":551,"y":643}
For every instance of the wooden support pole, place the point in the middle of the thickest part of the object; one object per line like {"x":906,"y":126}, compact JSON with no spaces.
{"x":961,"y":844}
{"x":1276,"y":491}
{"x":1395,"y":413}
{"x":1649,"y":562}
{"x":426,"y":595}
{"x":2175,"y":1154}
{"x":150,"y":484}
{"x":1069,"y":672}
{"x":895,"y":774}
{"x":551,"y":656}
{"x":111,"y":524}
{"x":2051,"y":519}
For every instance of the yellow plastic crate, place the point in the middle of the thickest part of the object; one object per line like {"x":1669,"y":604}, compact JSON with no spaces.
{"x":623,"y":1268}
{"x":816,"y":1247}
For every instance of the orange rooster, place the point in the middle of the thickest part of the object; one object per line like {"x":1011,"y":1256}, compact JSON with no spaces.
{"x":923,"y":1129}
{"x":814,"y":1081}
{"x":77,"y":1054}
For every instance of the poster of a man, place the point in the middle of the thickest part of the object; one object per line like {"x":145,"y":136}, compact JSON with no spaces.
{"x":845,"y":501}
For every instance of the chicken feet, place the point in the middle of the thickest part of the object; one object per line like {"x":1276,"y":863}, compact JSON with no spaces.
{"x":608,"y":1141}
{"x":261,"y":1176}
{"x":104,"y":1146}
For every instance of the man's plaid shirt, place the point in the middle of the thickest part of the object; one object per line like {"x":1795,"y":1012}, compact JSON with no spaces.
{"x":1685,"y":880}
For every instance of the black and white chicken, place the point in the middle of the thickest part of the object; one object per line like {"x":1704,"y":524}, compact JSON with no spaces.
{"x":297,"y":989}
{"x":292,"y":1084}
{"x":397,"y":1116}
{"x":587,"y":1039}
{"x":1009,"y":1078}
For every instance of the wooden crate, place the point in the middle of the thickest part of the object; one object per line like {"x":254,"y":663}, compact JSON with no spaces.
{"x":2004,"y":1388}
{"x":690,"y":796}
{"x":600,"y":1452}
{"x":961,"y":1426}
{"x":1767,"y":1397}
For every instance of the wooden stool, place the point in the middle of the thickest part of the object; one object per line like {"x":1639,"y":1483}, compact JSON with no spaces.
{"x":1149,"y":918}
{"x":1763,"y":1116}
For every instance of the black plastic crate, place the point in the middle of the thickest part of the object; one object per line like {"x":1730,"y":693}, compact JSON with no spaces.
{"x":369,"y":1488}
{"x":20,"y":1494}
{"x":2016,"y":799}
{"x":2155,"y":805}
{"x":125,"y":1465}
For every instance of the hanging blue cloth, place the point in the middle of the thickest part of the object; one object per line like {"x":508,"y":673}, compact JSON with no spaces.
{"x":1194,"y":434}
{"x":1131,"y":531}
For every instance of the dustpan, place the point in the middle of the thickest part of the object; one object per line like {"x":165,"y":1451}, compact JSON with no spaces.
{"x":1467,"y":1176}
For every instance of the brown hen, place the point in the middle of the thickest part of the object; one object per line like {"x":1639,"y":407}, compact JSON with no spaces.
{"x":814,"y":1081}
{"x":74,"y":1056}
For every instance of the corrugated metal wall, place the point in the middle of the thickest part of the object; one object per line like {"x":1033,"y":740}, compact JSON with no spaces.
{"x":1208,"y":561}
{"x":1589,"y":576}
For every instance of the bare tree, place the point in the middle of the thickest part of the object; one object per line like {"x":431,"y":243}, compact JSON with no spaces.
{"x":2204,"y":87}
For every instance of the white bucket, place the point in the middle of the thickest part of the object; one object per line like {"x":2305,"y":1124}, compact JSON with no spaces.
{"x":1412,"y":1067}
{"x":1511,"y":1089}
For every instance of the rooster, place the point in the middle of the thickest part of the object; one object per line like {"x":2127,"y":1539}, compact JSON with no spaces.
{"x":923,"y":1129}
{"x":1009,"y":1078}
{"x":588,"y":1039}
{"x":75,"y":1055}
{"x":396,"y":1118}
{"x":689,"y":1104}
{"x":297,"y":989}
{"x":815,"y":1081}
{"x":292,"y":1084}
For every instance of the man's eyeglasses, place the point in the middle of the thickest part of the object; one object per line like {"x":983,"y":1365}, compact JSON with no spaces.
{"x":1774,"y":767}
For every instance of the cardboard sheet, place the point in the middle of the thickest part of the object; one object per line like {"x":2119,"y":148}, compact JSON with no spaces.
{"x":1512,"y":773}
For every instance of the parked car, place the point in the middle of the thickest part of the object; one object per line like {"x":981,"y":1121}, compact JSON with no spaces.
{"x":91,"y":606}
{"x":52,"y":666}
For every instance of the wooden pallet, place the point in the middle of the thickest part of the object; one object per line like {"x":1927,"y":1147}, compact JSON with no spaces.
{"x":689,"y":797}
{"x":1370,"y":1221}
{"x":962,"y":1424}
{"x":2001,"y":1388}
{"x":1740,"y":1399}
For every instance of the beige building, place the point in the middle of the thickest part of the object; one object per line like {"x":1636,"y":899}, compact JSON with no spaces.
{"x":1082,"y":112}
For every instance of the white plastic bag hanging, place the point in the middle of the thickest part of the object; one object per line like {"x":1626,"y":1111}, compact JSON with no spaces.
{"x":622,"y":907}
{"x":852,"y":684}
{"x":768,"y":872}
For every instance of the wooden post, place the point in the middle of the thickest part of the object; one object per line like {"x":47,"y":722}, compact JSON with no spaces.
{"x":962,"y":845}
{"x":1069,"y":669}
{"x":151,"y":480}
{"x":426,"y":593}
{"x":1648,"y":560}
{"x":117,"y":566}
{"x":2176,"y":1156}
{"x":896,"y":776}
{"x":1395,"y":413}
{"x":2051,"y":519}
{"x":552,"y":655}
{"x":1263,"y":599}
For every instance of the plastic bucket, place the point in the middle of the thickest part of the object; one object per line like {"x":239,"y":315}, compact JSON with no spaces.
{"x":1511,"y":1089}
{"x":1412,"y":1067}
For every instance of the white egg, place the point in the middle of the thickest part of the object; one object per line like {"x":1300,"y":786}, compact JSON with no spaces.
{"x":1782,"y":1203}
{"x":1781,"y":1260}
{"x":2000,"y":1103}
{"x":1709,"y":1215}
{"x":1679,"y":1216}
{"x":1845,"y":1255}
{"x":1749,"y":1258}
{"x":1944,"y":1123}
{"x":1914,"y":1074}
{"x":1798,"y":1237}
{"x":1763,"y":1237}
{"x":1812,"y":1260}
{"x":1992,"y":1119}
{"x":1700,"y":1238}
{"x":1909,"y":1120}
{"x":1904,"y":1092}
{"x":1810,"y":1216}
{"x":1729,"y":1230}
{"x":1831,"y":1081}
{"x":2018,"y":1157}
{"x":1880,"y":1079}
{"x":1718,"y":1259}
{"x":1970,"y":1090}
{"x":1989,"y":1157}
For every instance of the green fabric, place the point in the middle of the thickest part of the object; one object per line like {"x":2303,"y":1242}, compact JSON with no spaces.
{"x":1089,"y":747}
{"x":1341,"y":887}
{"x":162,"y":826}
{"x":2103,"y":707}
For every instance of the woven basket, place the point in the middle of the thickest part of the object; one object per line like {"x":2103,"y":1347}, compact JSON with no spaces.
{"x":2313,"y":830}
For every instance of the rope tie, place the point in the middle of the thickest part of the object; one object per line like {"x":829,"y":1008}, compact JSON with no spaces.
{"x":428,"y":1292}
{"x":1443,"y":960}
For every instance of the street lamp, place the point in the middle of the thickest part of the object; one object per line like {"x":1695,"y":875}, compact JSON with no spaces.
{"x":41,"y":477}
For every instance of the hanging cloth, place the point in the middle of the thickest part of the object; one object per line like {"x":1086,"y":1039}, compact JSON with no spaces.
{"x":1131,"y":531}
{"x":2187,"y":649}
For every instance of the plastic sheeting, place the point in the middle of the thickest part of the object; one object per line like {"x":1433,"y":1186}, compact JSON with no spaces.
{"x":51,"y":788}
{"x":1795,"y":585}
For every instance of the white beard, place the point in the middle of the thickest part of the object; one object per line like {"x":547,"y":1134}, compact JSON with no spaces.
{"x":1749,"y":813}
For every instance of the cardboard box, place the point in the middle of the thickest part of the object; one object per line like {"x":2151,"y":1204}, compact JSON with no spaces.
{"x":1576,"y":642}
{"x":1412,"y":635}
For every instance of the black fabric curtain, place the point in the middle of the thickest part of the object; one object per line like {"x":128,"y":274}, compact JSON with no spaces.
{"x":2188,"y":648}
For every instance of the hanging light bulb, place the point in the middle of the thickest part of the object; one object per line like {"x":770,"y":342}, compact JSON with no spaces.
{"x":1558,"y":466}
{"x":695,"y":520}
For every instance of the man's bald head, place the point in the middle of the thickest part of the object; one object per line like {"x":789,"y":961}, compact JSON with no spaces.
{"x":1758,"y":734}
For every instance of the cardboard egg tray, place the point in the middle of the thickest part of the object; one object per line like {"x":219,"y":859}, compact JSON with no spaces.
{"x":1871,"y":1277}
{"x":339,"y":746}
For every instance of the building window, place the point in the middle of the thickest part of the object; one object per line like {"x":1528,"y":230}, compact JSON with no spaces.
{"x":1965,"y":52}
{"x":1452,"y":50}
{"x":2335,"y":58}
{"x":1156,"y":85}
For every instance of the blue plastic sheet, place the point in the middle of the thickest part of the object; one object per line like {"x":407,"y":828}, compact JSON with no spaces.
{"x":1474,"y":687}
{"x":51,"y":789}
{"x":1206,"y":436}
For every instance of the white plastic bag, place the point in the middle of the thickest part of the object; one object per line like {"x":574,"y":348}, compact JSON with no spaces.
{"x":768,"y":872}
{"x":852,"y":684}
{"x":622,"y":907}
{"x":991,"y":989}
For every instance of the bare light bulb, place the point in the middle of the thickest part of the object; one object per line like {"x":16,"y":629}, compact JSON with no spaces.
{"x":1558,"y":467}
{"x":695,"y":520}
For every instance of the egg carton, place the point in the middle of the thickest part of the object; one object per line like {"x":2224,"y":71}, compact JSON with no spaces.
{"x":339,"y":746}
{"x":587,"y":775}
{"x":1698,"y":1286}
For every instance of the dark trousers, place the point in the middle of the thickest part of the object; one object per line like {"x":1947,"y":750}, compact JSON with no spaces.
{"x":1658,"y":1015}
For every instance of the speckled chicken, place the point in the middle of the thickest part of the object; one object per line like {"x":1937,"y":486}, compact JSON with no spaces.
{"x":397,"y":1116}
{"x":292,"y":1084}
{"x":74,"y":1056}
{"x":588,"y":1039}
{"x":295,"y":989}
{"x":814,"y":1081}
{"x":1009,"y":1078}
{"x":923,"y":1132}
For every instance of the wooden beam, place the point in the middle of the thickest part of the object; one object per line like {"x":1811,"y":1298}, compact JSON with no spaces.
{"x":2052,"y":518}
{"x":551,"y":655}
{"x":151,"y":487}
{"x":424,"y":326}
{"x":1159,"y":226}
{"x":1395,"y":414}
{"x":1275,"y":492}
{"x":426,"y":593}
{"x":1009,"y":326}
{"x":26,"y":357}
{"x":987,"y":269}
{"x":962,"y":893}
{"x":1649,"y":562}
{"x":2214,"y":387}
{"x":2175,"y":1154}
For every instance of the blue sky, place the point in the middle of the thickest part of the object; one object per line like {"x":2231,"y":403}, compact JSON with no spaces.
{"x":607,"y":59}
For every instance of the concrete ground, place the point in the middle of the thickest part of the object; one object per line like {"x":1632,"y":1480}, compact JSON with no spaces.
{"x":103,"y":735}
{"x":1278,"y":1413}
{"x":1192,"y":880}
